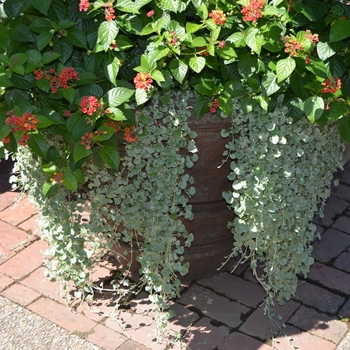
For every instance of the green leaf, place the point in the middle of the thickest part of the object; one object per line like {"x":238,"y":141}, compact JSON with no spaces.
{"x":201,"y":106}
{"x":4,"y":131}
{"x":43,"y":39}
{"x":344,"y":129}
{"x":339,"y":30}
{"x":142,"y":96}
{"x":44,"y":122}
{"x":23,"y":82}
{"x":337,"y":110}
{"x":80,"y":152}
{"x":247,"y":65}
{"x":107,"y":32}
{"x":13,"y":8}
{"x":193,"y":27}
{"x":314,"y":108}
{"x":324,"y":51}
{"x":77,"y":37}
{"x":203,"y":11}
{"x":269,"y":84}
{"x":116,"y":114}
{"x":49,"y":188}
{"x":178,"y":69}
{"x":111,"y":69}
{"x":253,"y":40}
{"x":119,"y":95}
{"x":284,"y":68}
{"x":69,"y":94}
{"x":110,"y":156}
{"x":226,"y":105}
{"x":104,"y":133}
{"x":69,"y":180}
{"x":198,"y":41}
{"x":197,"y":63}
{"x":49,"y":57}
{"x":5,"y":80}
{"x":171,"y":5}
{"x":37,"y":143}
{"x":42,"y":6}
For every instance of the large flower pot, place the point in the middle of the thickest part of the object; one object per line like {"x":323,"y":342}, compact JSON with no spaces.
{"x":212,"y":240}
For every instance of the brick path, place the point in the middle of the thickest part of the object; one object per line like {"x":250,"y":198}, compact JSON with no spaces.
{"x":222,"y":312}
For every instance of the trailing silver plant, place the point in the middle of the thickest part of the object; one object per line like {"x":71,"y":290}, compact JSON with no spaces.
{"x":281,"y":172}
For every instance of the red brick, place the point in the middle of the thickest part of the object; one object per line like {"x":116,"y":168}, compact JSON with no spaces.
{"x":205,"y":334}
{"x":8,"y":198}
{"x":5,"y":281}
{"x":343,"y":262}
{"x":330,"y":277}
{"x":258,"y":324}
{"x":132,"y":345}
{"x":11,"y":236}
{"x":138,"y":327}
{"x":106,"y":338}
{"x":319,"y":324}
{"x":222,"y":283}
{"x":25,"y":261}
{"x":319,"y":298}
{"x":21,"y":295}
{"x":99,"y":308}
{"x":214,"y":305}
{"x":31,"y":226}
{"x":239,"y":341}
{"x":183,"y":319}
{"x":19,"y":212}
{"x":61,"y":315}
{"x":5,"y":254}
{"x":37,"y":281}
{"x":301,"y":340}
{"x":333,"y":242}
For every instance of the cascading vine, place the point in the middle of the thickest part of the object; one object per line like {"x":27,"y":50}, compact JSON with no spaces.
{"x":281,"y":171}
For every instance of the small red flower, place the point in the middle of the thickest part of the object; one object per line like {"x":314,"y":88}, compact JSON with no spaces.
{"x":150,"y":13}
{"x":291,"y":45}
{"x":89,"y":105}
{"x":57,"y":178}
{"x":222,"y":44}
{"x":143,"y":81}
{"x":84,"y":5}
{"x":331,"y":85}
{"x":252,"y":12}
{"x":218,"y":16}
{"x":86,"y":140}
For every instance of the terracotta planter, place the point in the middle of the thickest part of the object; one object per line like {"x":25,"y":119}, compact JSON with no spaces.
{"x":212,"y":240}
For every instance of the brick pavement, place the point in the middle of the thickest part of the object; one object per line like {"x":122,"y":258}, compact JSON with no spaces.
{"x":222,"y":312}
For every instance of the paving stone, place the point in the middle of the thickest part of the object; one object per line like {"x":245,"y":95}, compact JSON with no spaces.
{"x":240,"y":341}
{"x":61,"y":315}
{"x":235,"y":288}
{"x":31,"y":226}
{"x":106,"y":338}
{"x":343,"y":262}
{"x":345,"y":311}
{"x":132,"y":345}
{"x":343,"y":176}
{"x":292,"y":336}
{"x":345,"y":343}
{"x":333,"y":242}
{"x":18,"y":213}
{"x":342,"y":224}
{"x":203,"y":335}
{"x":5,"y":254}
{"x":334,"y":207}
{"x":319,"y":298}
{"x":319,"y":324}
{"x":7,"y":199}
{"x":5,"y":281}
{"x":21,"y":294}
{"x":12,"y":237}
{"x":330,"y":277}
{"x":184,"y":318}
{"x":341,"y":191}
{"x":214,"y":306}
{"x":24,"y":262}
{"x":137,"y":327}
{"x":37,"y":281}
{"x":258,"y":323}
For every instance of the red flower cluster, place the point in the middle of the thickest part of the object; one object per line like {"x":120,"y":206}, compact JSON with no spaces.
{"x":109,"y":11}
{"x":203,"y":51}
{"x":89,"y":104}
{"x":331,"y":86}
{"x":291,"y":45}
{"x":214,"y":106}
{"x":58,"y":81}
{"x":57,"y":177}
{"x":129,"y":134}
{"x":143,"y":81}
{"x":26,"y":122}
{"x":174,"y":38}
{"x":39,"y":74}
{"x":222,"y":44}
{"x":83,"y":5}
{"x":252,"y":12}
{"x":313,"y":37}
{"x":218,"y":16}
{"x":86,"y":140}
